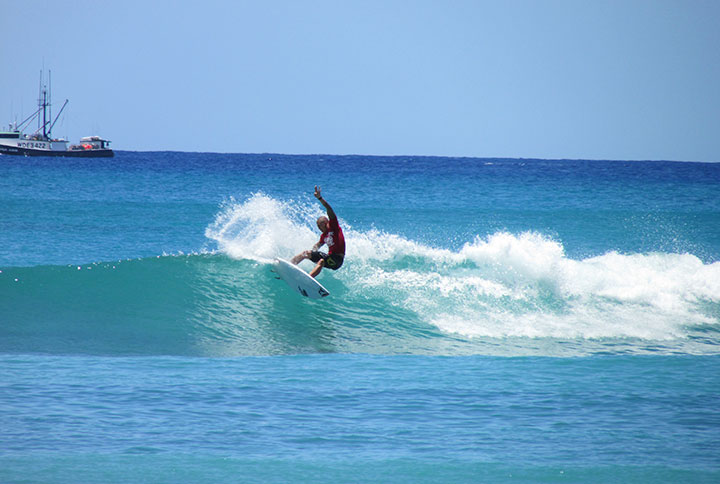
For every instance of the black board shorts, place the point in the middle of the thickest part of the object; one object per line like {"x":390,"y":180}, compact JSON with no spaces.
{"x":332,"y":261}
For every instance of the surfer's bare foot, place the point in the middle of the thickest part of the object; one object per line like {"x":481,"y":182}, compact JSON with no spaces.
{"x":300,"y":257}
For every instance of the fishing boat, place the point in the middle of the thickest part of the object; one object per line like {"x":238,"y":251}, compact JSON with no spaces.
{"x":14,"y":141}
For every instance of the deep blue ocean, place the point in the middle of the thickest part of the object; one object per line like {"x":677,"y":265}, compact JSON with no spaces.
{"x":496,"y":320}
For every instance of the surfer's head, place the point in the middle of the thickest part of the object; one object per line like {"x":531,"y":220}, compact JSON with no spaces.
{"x":323,"y":224}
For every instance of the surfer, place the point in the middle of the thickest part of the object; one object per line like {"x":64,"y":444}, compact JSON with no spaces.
{"x":332,"y":235}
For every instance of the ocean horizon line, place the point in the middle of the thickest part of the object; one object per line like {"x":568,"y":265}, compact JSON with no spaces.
{"x":427,"y":157}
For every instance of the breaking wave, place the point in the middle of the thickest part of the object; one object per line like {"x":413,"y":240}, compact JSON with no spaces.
{"x":501,"y":294}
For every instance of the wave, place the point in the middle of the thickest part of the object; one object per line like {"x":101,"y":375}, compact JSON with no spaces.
{"x":503,"y":294}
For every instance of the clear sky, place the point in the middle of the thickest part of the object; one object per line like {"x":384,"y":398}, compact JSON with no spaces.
{"x":624,"y":79}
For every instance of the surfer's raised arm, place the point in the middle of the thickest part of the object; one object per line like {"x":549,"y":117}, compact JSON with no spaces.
{"x":332,"y":235}
{"x":318,"y":195}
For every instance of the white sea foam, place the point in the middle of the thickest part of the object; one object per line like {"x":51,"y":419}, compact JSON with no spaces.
{"x":262,"y":228}
{"x":523,"y":285}
{"x":503,"y":285}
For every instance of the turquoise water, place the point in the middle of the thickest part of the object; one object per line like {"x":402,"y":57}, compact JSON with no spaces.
{"x":495,"y":320}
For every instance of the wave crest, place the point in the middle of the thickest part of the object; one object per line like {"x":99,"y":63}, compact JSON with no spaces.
{"x":501,"y":285}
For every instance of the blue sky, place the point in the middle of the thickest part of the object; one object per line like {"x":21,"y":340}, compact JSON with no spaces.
{"x":535,"y":79}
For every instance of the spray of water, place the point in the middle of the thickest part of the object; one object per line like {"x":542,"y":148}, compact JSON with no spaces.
{"x":501,"y":285}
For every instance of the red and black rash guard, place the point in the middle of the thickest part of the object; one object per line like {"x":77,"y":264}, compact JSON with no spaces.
{"x":334,"y":238}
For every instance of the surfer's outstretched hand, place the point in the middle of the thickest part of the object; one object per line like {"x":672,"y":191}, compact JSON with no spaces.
{"x":318,"y":195}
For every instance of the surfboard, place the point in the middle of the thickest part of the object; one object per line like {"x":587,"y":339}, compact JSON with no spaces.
{"x":299,"y":280}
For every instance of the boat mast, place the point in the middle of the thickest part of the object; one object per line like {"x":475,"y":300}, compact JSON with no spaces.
{"x":40,"y":104}
{"x":44,"y":113}
{"x":44,"y":105}
{"x":49,"y":102}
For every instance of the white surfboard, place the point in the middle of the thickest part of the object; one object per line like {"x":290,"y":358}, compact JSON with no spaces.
{"x":299,"y":280}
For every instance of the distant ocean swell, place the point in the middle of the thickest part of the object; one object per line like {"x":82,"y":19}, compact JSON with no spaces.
{"x":503,"y":294}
